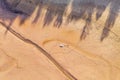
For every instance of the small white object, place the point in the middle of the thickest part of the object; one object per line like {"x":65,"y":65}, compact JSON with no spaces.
{"x":61,"y":45}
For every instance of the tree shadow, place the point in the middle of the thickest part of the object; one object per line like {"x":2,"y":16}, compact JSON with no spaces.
{"x":80,"y":9}
{"x":84,"y":9}
{"x":113,"y":14}
{"x":57,"y":11}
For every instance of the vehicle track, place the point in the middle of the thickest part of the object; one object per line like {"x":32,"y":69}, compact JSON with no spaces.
{"x":63,"y":70}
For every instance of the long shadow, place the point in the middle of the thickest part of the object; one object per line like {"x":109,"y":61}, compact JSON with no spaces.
{"x":81,"y":9}
{"x":113,"y":14}
{"x":52,"y":11}
{"x":84,"y":9}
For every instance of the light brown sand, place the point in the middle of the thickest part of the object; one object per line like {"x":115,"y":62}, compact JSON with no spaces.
{"x":89,"y":59}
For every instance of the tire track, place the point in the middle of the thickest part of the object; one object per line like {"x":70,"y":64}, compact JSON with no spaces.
{"x":63,"y":70}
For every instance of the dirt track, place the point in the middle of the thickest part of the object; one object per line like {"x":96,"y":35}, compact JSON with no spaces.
{"x":86,"y":60}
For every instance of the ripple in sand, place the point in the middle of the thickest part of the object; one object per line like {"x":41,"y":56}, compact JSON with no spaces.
{"x":86,"y":66}
{"x":6,"y":62}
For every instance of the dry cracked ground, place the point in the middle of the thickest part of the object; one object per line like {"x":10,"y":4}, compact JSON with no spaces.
{"x":29,"y":51}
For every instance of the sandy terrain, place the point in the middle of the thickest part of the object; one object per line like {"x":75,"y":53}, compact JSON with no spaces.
{"x":89,"y":59}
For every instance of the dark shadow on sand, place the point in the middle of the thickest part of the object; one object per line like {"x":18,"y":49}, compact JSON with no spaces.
{"x":81,"y":9}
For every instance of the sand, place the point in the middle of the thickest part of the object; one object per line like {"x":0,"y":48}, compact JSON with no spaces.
{"x":89,"y":59}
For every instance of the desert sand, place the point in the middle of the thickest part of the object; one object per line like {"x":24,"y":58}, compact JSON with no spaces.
{"x":88,"y":59}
